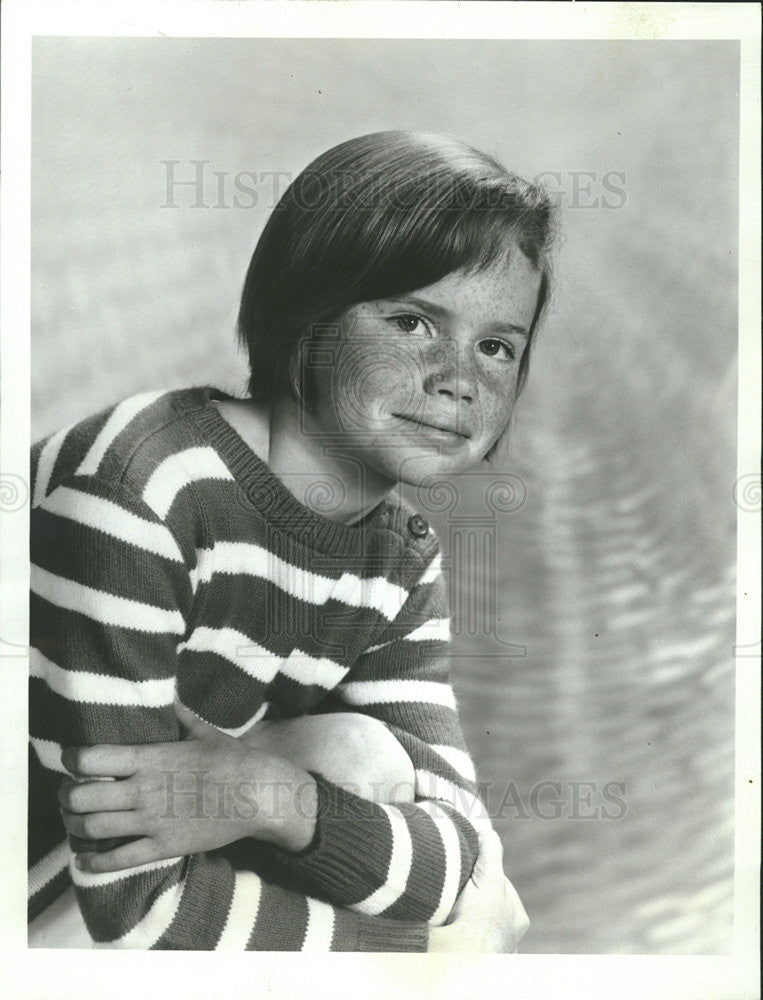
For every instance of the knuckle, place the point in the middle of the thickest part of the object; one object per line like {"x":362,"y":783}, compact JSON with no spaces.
{"x":144,"y":791}
{"x":91,"y":828}
{"x":75,"y":799}
{"x":146,"y":784}
{"x":160,"y":839}
{"x":132,"y":798}
{"x":64,"y":794}
{"x":73,"y":824}
{"x":96,"y":864}
{"x":69,"y":821}
{"x":72,"y":758}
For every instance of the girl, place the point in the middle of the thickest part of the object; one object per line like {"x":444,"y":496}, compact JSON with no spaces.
{"x":245,"y":572}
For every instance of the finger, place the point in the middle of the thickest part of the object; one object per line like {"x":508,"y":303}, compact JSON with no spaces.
{"x":102,"y":825}
{"x":104,"y":760}
{"x":96,"y":796}
{"x":139,"y":852}
{"x":193,"y":727}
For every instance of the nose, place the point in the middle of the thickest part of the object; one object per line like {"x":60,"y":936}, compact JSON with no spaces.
{"x":451,"y":373}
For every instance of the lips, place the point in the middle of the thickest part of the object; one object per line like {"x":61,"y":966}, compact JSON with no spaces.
{"x":448,"y":428}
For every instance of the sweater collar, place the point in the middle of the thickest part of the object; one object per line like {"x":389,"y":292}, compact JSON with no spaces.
{"x":265,"y":492}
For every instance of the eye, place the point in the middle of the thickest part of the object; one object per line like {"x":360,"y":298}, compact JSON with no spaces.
{"x":411,"y":323}
{"x":497,"y":348}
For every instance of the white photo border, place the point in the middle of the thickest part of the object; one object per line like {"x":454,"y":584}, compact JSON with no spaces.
{"x":115,"y":974}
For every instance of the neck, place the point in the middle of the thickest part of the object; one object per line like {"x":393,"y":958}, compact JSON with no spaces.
{"x":320,"y":475}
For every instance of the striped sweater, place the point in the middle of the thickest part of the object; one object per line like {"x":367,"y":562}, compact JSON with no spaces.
{"x":168,"y":562}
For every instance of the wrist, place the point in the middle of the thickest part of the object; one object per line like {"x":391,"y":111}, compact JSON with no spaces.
{"x":287,"y":806}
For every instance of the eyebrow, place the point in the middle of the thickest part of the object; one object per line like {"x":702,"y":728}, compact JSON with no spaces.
{"x":432,"y":307}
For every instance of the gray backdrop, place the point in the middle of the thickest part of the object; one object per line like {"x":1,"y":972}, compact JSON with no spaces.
{"x":594,"y":590}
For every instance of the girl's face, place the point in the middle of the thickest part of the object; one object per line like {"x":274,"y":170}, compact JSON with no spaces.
{"x":423,"y":384}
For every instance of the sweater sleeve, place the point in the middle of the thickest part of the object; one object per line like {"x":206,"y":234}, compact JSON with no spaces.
{"x":111,"y":592}
{"x":407,"y":861}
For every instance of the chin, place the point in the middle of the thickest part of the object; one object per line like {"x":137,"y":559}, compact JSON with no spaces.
{"x":416,"y":470}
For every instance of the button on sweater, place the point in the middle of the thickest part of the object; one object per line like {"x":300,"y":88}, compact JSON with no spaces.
{"x":168,"y":562}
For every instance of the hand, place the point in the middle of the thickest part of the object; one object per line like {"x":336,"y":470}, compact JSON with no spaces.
{"x":488,"y":915}
{"x":183,"y":798}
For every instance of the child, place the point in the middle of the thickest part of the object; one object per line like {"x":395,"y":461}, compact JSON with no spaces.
{"x":188,"y":568}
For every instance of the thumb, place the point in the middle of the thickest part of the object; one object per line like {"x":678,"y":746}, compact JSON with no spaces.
{"x":193,"y":727}
{"x":489,"y":863}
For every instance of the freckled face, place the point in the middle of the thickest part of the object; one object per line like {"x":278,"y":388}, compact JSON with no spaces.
{"x":424,"y":383}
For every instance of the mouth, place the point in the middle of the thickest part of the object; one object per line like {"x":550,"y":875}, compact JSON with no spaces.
{"x":458,"y":433}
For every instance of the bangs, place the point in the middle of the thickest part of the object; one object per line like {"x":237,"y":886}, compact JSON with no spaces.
{"x":421,"y":232}
{"x":411,"y":250}
{"x":378,"y":216}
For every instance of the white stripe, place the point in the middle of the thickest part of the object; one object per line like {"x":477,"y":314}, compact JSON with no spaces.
{"x":46,"y":464}
{"x":240,"y":730}
{"x":177,"y":471}
{"x":119,"y":419}
{"x":83,"y":686}
{"x":202,"y":571}
{"x":432,"y":571}
{"x":320,"y":927}
{"x":433,"y":787}
{"x":95,"y":880}
{"x":458,"y":760}
{"x":154,"y":923}
{"x":434,"y":630}
{"x":233,"y":558}
{"x":60,"y":925}
{"x":375,"y":592}
{"x":46,"y":869}
{"x":237,"y":648}
{"x":309,"y":670}
{"x":259,"y":663}
{"x":399,"y":867}
{"x":242,"y":915}
{"x":105,"y":608}
{"x":451,"y":878}
{"x":385,"y":692}
{"x":48,"y":753}
{"x":109,"y":517}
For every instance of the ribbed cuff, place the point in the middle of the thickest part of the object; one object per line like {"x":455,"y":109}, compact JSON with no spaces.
{"x":353,"y":932}
{"x":392,"y":935}
{"x":351,"y":851}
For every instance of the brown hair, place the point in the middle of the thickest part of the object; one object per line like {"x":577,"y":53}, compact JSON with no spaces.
{"x":376,"y":216}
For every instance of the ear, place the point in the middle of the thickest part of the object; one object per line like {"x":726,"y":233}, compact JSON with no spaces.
{"x":194,"y":728}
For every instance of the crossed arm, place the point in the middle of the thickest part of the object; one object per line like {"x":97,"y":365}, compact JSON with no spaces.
{"x":212,"y":789}
{"x":488,"y":915}
{"x":406,"y":860}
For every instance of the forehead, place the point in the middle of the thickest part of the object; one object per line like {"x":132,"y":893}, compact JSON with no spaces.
{"x":505,"y":292}
{"x":514,"y":282}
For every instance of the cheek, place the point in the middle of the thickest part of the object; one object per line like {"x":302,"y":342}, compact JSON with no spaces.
{"x":368,"y":377}
{"x":497,"y":400}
